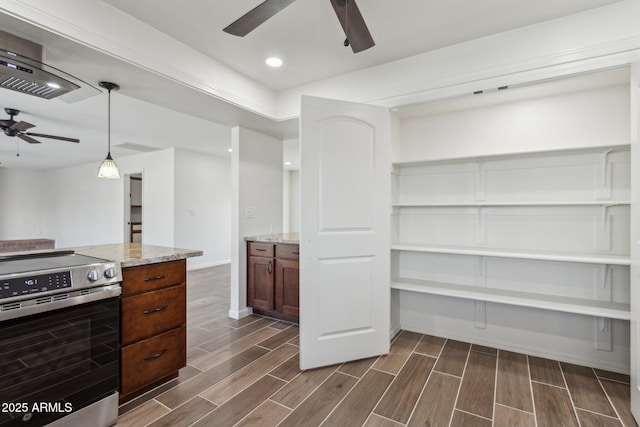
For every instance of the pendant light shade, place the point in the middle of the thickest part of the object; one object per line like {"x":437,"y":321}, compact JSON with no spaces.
{"x":108,"y":168}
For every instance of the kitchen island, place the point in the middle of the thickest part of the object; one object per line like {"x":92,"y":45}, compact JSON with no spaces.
{"x":152,"y":312}
{"x":273,"y":275}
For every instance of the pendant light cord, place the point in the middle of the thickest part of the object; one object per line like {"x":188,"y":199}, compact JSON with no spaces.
{"x":109,"y":123}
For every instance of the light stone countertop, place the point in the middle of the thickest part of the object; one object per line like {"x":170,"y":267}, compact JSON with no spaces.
{"x":292,"y":238}
{"x":133,"y":254}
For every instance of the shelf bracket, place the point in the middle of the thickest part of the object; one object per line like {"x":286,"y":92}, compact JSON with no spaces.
{"x":480,"y":181}
{"x":603,"y":230}
{"x":603,"y":177}
{"x":481,"y":272}
{"x":480,"y":226}
{"x":480,"y":316}
{"x":603,"y":283}
{"x":603,"y":334}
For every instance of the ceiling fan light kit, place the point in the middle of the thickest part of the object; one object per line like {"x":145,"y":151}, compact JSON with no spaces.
{"x":347,"y":11}
{"x":108,"y":168}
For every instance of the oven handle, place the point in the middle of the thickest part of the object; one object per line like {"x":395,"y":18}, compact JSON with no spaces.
{"x":97,"y":294}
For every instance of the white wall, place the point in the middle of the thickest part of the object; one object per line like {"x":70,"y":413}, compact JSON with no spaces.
{"x":75,"y":208}
{"x":22,"y":204}
{"x":577,"y":119}
{"x":257,"y":183}
{"x":202,"y":207}
{"x":294,"y":201}
{"x":84,"y":210}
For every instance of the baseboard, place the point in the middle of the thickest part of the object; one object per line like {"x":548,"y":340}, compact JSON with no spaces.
{"x":235,"y":314}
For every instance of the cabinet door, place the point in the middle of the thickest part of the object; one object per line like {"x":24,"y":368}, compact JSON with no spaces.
{"x":287,"y":286}
{"x":260,"y":282}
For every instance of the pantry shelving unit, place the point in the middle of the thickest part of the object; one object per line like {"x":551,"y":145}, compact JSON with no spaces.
{"x":546,"y":229}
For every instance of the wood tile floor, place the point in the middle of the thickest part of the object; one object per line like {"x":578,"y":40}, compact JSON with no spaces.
{"x":245,"y":373}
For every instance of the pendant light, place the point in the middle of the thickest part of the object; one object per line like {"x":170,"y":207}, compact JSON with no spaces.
{"x":108,"y":168}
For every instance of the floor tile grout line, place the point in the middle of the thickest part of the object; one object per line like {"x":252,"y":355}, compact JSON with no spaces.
{"x":603,"y":415}
{"x":495,"y":389}
{"x":533,"y":399}
{"x":550,"y":385}
{"x":515,"y":409}
{"x":395,"y":376}
{"x":232,"y":373}
{"x":604,"y":390}
{"x":313,"y":391}
{"x":233,"y":355}
{"x":253,"y":383}
{"x":464,"y":370}
{"x":471,"y":413}
{"x":573,"y":405}
{"x":345,"y":396}
{"x":424,"y":386}
{"x":613,"y":380}
{"x":261,"y":403}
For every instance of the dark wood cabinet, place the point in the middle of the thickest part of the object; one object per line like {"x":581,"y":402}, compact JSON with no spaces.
{"x":273,"y":279}
{"x":153,"y":326}
{"x":260,"y":283}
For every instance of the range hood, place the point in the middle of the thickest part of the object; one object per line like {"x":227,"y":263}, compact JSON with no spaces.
{"x":22,"y":70}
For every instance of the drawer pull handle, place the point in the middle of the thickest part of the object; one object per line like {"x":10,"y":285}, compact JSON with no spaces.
{"x":261,"y":250}
{"x":157,"y":355}
{"x":155,"y":310}
{"x":296,"y":253}
{"x":270,"y":267}
{"x":150,"y":279}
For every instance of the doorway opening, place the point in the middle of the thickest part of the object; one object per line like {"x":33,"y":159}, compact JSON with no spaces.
{"x":134,"y":223}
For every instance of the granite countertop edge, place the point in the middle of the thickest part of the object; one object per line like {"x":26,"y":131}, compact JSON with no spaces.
{"x":134,"y":254}
{"x":289,"y":238}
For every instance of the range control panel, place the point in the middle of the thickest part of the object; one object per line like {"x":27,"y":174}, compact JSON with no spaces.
{"x":22,"y":286}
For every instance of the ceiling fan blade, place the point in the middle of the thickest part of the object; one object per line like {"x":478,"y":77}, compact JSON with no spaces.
{"x":28,"y":139}
{"x":22,"y":126}
{"x":61,"y":138}
{"x":357,"y":32}
{"x":256,"y":16}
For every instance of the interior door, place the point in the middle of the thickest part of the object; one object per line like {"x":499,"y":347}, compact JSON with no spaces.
{"x":635,"y":242}
{"x":345,"y":181}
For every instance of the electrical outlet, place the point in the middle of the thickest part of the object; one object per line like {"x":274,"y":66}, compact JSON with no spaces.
{"x":250,"y":213}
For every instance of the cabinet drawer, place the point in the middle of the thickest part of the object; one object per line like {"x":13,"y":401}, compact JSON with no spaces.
{"x":146,"y":278}
{"x":288,"y":251}
{"x":260,"y":249}
{"x":147,"y":314}
{"x":152,"y":359}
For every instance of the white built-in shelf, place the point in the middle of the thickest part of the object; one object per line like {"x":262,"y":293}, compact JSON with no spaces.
{"x":588,"y":307}
{"x":514,"y":204}
{"x":461,"y":159}
{"x":519,"y":254}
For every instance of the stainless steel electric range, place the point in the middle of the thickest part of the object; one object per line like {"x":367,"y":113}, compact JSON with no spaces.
{"x":59,"y":331}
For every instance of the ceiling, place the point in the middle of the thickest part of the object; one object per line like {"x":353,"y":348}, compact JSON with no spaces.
{"x":156,"y":112}
{"x":308,"y":38}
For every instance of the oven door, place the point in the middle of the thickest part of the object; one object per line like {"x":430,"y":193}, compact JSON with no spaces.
{"x":57,"y":362}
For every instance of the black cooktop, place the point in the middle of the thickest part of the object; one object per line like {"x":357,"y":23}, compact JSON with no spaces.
{"x":38,"y":261}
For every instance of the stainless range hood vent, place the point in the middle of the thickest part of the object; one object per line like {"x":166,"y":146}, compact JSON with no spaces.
{"x":22,"y":70}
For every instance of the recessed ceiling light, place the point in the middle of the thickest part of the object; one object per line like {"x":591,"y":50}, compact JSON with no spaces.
{"x":287,"y":163}
{"x":274,"y":62}
{"x":230,"y":150}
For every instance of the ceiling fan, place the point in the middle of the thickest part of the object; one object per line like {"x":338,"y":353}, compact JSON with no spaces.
{"x":358,"y":36}
{"x":11,"y":127}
